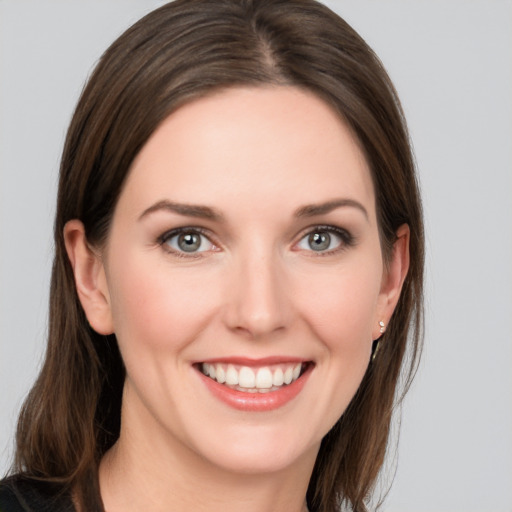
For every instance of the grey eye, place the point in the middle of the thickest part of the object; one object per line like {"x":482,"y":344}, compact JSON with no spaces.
{"x":319,"y":241}
{"x":323,"y":240}
{"x":189,"y":242}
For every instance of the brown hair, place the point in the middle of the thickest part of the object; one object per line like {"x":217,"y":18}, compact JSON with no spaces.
{"x":181,"y":51}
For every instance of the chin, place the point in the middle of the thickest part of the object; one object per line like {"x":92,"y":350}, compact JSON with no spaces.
{"x":262,"y":459}
{"x":256,"y":449}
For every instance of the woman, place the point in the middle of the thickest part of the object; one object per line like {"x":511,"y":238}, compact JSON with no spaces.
{"x":238,"y":267}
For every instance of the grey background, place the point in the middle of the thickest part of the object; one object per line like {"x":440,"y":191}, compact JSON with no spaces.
{"x":451,"y":61}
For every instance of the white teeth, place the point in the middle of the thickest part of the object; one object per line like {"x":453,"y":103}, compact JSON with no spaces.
{"x":231,"y":376}
{"x":221,"y":374}
{"x":246,"y":378}
{"x":263,"y":380}
{"x":278,"y":377}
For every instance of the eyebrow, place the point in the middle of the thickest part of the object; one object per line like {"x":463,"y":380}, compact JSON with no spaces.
{"x":311,"y":210}
{"x":188,"y":210}
{"x":206,"y":212}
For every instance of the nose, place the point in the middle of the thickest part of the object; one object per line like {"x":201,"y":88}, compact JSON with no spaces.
{"x":258,"y":295}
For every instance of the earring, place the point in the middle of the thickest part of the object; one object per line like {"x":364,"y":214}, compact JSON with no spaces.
{"x":376,"y":343}
{"x":375,"y":349}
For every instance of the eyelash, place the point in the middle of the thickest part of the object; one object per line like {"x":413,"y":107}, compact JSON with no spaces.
{"x":346,"y":239}
{"x":163,"y":240}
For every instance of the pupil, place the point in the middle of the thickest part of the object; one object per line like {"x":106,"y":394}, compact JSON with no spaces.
{"x":319,"y":241}
{"x":189,"y":242}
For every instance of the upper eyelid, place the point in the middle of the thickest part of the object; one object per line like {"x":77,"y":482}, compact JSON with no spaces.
{"x":176,"y":231}
{"x":324,"y":227}
{"x":347,"y":237}
{"x":342,"y":232}
{"x":164,"y":238}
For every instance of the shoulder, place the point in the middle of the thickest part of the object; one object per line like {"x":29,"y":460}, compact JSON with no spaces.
{"x":21,"y":494}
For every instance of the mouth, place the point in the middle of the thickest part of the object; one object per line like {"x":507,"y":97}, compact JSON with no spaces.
{"x":255,"y":386}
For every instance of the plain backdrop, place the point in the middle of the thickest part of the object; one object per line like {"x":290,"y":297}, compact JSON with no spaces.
{"x":451,"y":61}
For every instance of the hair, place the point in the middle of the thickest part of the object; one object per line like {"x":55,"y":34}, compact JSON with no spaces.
{"x":182,"y":51}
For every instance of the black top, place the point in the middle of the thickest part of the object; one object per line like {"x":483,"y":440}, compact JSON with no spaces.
{"x":21,"y":494}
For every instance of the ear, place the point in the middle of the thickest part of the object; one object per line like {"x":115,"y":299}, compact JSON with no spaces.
{"x":393,"y":279}
{"x":90,"y":279}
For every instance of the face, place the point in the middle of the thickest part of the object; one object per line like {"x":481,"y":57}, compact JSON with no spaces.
{"x":244,"y":279}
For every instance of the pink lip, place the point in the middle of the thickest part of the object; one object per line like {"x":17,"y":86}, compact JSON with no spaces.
{"x":246,"y":361}
{"x":256,"y":402}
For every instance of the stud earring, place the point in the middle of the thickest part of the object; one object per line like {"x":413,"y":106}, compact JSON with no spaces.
{"x":382,"y":327}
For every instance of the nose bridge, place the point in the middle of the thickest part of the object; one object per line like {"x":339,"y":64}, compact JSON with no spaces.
{"x":258,"y":299}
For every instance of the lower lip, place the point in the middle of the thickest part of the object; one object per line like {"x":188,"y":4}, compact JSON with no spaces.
{"x":257,"y":402}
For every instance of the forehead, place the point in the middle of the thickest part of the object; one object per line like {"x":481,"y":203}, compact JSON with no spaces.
{"x":273,"y":145}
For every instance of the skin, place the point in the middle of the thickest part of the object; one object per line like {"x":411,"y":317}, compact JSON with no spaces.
{"x":255,"y":289}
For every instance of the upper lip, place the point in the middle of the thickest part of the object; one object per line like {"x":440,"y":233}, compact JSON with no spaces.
{"x":246,"y":361}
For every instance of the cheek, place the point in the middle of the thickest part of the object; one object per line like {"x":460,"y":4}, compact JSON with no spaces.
{"x":156,"y":308}
{"x":339,"y":311}
{"x":342,"y":308}
{"x":342,"y":313}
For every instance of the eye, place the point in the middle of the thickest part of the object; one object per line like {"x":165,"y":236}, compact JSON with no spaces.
{"x":325,"y":239}
{"x":187,"y":240}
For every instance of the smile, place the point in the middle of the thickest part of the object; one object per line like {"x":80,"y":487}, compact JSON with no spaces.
{"x":264,"y":379}
{"x":253,"y":387}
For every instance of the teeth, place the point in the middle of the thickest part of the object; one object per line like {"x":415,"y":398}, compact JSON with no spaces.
{"x":221,"y":374}
{"x":244,"y":378}
{"x":264,"y":378}
{"x":278,"y":377}
{"x":231,"y":376}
